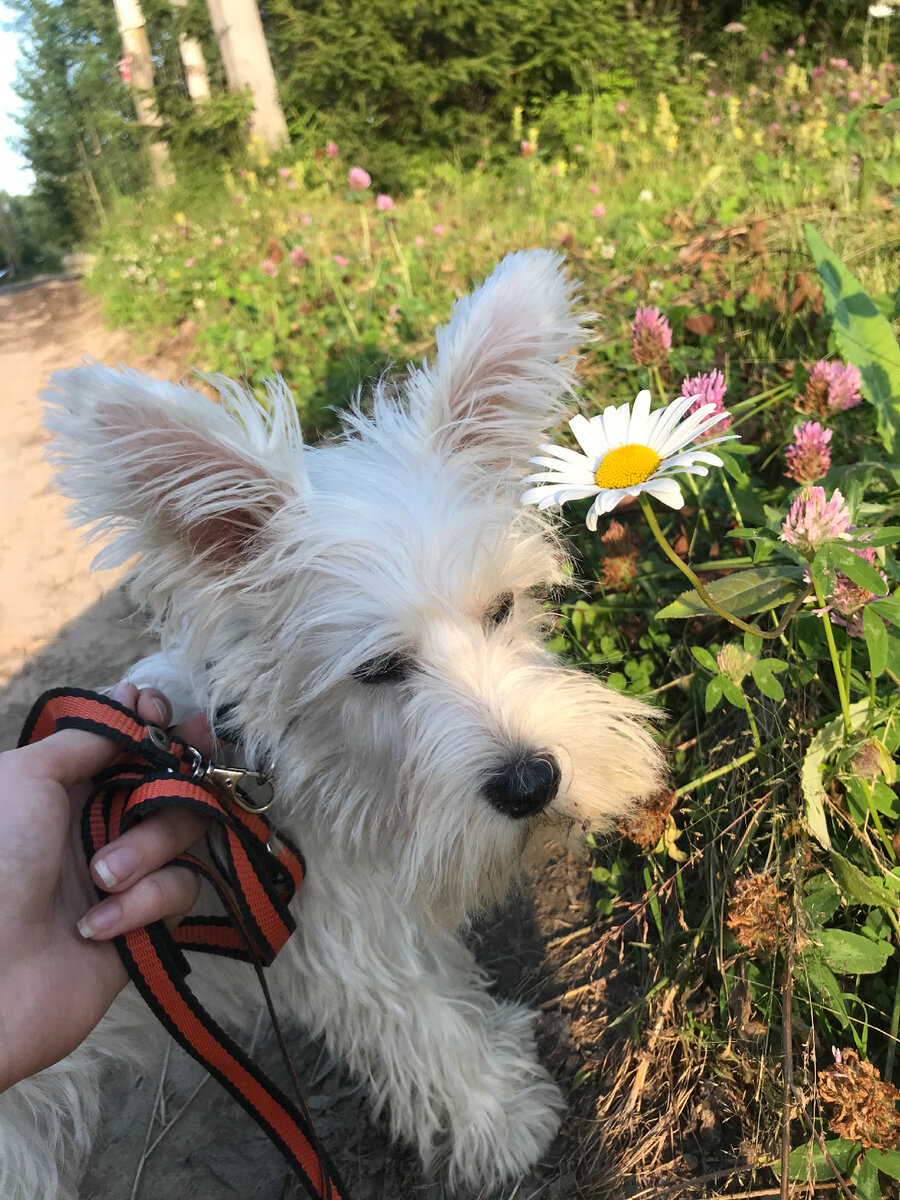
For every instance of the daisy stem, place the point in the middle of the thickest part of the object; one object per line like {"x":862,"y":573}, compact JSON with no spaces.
{"x":657,"y":379}
{"x":835,"y":660}
{"x":707,"y":599}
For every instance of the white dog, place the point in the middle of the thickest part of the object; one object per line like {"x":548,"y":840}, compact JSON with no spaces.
{"x":363,"y":608}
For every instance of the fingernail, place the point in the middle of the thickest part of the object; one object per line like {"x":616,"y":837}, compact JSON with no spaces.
{"x":102,"y":919}
{"x":115,"y":865}
{"x":122,"y":692}
{"x":163,"y":711}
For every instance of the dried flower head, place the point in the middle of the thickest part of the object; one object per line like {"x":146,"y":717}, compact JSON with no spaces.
{"x":618,"y":538}
{"x":651,"y":337}
{"x":757,"y":914}
{"x":813,"y":521}
{"x":645,"y":827}
{"x":709,"y":389}
{"x":864,"y":1107}
{"x":847,"y":600}
{"x":866,"y":762}
{"x":808,"y":457}
{"x":734,"y":662}
{"x":617,"y":571}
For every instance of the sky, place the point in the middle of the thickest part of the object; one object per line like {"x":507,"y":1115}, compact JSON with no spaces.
{"x":15,"y":176}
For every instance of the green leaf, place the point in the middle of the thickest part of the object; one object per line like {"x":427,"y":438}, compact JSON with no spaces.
{"x":705,"y":659}
{"x":885,"y":1160}
{"x":764,"y":673}
{"x":854,"y":567}
{"x":866,"y":1180}
{"x":882,"y":535}
{"x":734,"y":693}
{"x":861,"y":888}
{"x":713,"y":693}
{"x":812,"y":972}
{"x":829,"y":739}
{"x":876,"y":635}
{"x":821,"y":899}
{"x":808,"y":1162}
{"x":889,"y":609}
{"x":852,"y":954}
{"x":864,"y":338}
{"x":742,"y":593}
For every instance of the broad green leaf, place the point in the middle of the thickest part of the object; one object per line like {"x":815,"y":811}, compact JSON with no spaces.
{"x":821,"y":899}
{"x":885,"y":1160}
{"x":812,"y":974}
{"x":889,"y":609}
{"x":852,"y":954}
{"x":808,"y":1162}
{"x":860,"y":888}
{"x":884,"y":535}
{"x":734,"y":694}
{"x":855,"y":568}
{"x":764,"y":673}
{"x":713,"y":693}
{"x":829,"y":739}
{"x":705,"y":659}
{"x":876,"y":635}
{"x":742,"y":593}
{"x":864,"y":338}
{"x":866,"y":1180}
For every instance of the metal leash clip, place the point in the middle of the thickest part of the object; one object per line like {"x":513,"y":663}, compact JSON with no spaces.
{"x":252,"y":791}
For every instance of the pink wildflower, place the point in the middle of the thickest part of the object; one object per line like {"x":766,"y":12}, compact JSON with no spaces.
{"x":710,"y":92}
{"x":358,"y":179}
{"x":305,"y":219}
{"x":817,"y":72}
{"x":527,"y":148}
{"x":598,"y":211}
{"x":332,"y":150}
{"x":292,"y":184}
{"x":651,"y":337}
{"x":808,"y":456}
{"x":243,"y":172}
{"x":774,"y":129}
{"x":715,"y":120}
{"x":790,"y":52}
{"x":779,"y":70}
{"x":240,"y":198}
{"x":847,"y":600}
{"x":189,"y":262}
{"x":854,"y":96}
{"x":438,"y":230}
{"x":340,"y":260}
{"x":764,"y":57}
{"x":594,"y":189}
{"x":841,"y":384}
{"x":218,"y":241}
{"x":284,"y":172}
{"x":709,"y":389}
{"x":384,"y":203}
{"x":299,"y":257}
{"x":813,"y":521}
{"x":270,"y":267}
{"x":621,"y":108}
{"x":418,"y":241}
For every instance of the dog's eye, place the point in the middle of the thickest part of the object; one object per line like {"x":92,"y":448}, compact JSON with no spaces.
{"x":386,"y":668}
{"x":500,"y":610}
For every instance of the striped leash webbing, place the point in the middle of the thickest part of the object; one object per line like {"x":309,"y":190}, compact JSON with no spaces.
{"x":258,"y":876}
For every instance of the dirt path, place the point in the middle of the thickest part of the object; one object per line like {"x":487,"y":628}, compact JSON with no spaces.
{"x":58,"y":622}
{"x":61,"y":624}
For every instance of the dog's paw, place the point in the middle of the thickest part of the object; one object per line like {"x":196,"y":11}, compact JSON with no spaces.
{"x":510,"y":1112}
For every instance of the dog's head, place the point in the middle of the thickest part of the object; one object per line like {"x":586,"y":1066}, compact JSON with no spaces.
{"x":363,"y":607}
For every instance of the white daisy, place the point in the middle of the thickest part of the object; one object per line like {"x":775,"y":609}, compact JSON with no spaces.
{"x":627,"y":451}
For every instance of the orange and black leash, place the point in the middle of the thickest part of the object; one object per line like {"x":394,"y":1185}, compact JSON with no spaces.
{"x":258,"y":874}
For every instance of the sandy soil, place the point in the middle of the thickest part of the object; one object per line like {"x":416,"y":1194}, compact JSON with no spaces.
{"x":60,"y":624}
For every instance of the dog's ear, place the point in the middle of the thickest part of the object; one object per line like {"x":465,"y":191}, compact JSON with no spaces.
{"x":504,"y":365}
{"x":162,"y":469}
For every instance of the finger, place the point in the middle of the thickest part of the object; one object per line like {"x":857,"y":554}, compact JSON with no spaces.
{"x":146,"y":848}
{"x":73,"y":755}
{"x":170,"y":892}
{"x":153,"y":707}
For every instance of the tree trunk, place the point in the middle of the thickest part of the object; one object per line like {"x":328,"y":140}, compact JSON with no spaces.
{"x":194,"y":63}
{"x":245,"y":56}
{"x":139,"y":65}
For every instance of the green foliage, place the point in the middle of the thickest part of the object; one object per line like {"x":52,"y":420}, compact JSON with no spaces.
{"x":863,"y":336}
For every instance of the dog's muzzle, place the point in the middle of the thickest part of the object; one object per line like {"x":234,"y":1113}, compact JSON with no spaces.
{"x":524,"y":787}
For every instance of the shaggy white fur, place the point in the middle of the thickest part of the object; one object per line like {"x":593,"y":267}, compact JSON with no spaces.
{"x":363,"y":609}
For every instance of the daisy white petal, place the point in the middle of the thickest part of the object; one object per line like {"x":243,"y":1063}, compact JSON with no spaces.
{"x":637,"y":424}
{"x":675,"y":463}
{"x":566,"y":468}
{"x":563,"y":452}
{"x":670,"y":495}
{"x":588,"y":436}
{"x":663,"y":420}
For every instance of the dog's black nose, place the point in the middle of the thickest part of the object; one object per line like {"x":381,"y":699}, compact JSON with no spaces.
{"x":525,"y":786}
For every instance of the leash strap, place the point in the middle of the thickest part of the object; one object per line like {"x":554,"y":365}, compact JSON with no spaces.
{"x":257,"y":877}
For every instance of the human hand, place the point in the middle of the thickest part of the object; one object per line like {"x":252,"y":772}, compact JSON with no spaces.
{"x":60,"y":973}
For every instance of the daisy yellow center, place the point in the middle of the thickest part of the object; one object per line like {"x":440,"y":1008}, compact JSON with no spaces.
{"x":626,"y":465}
